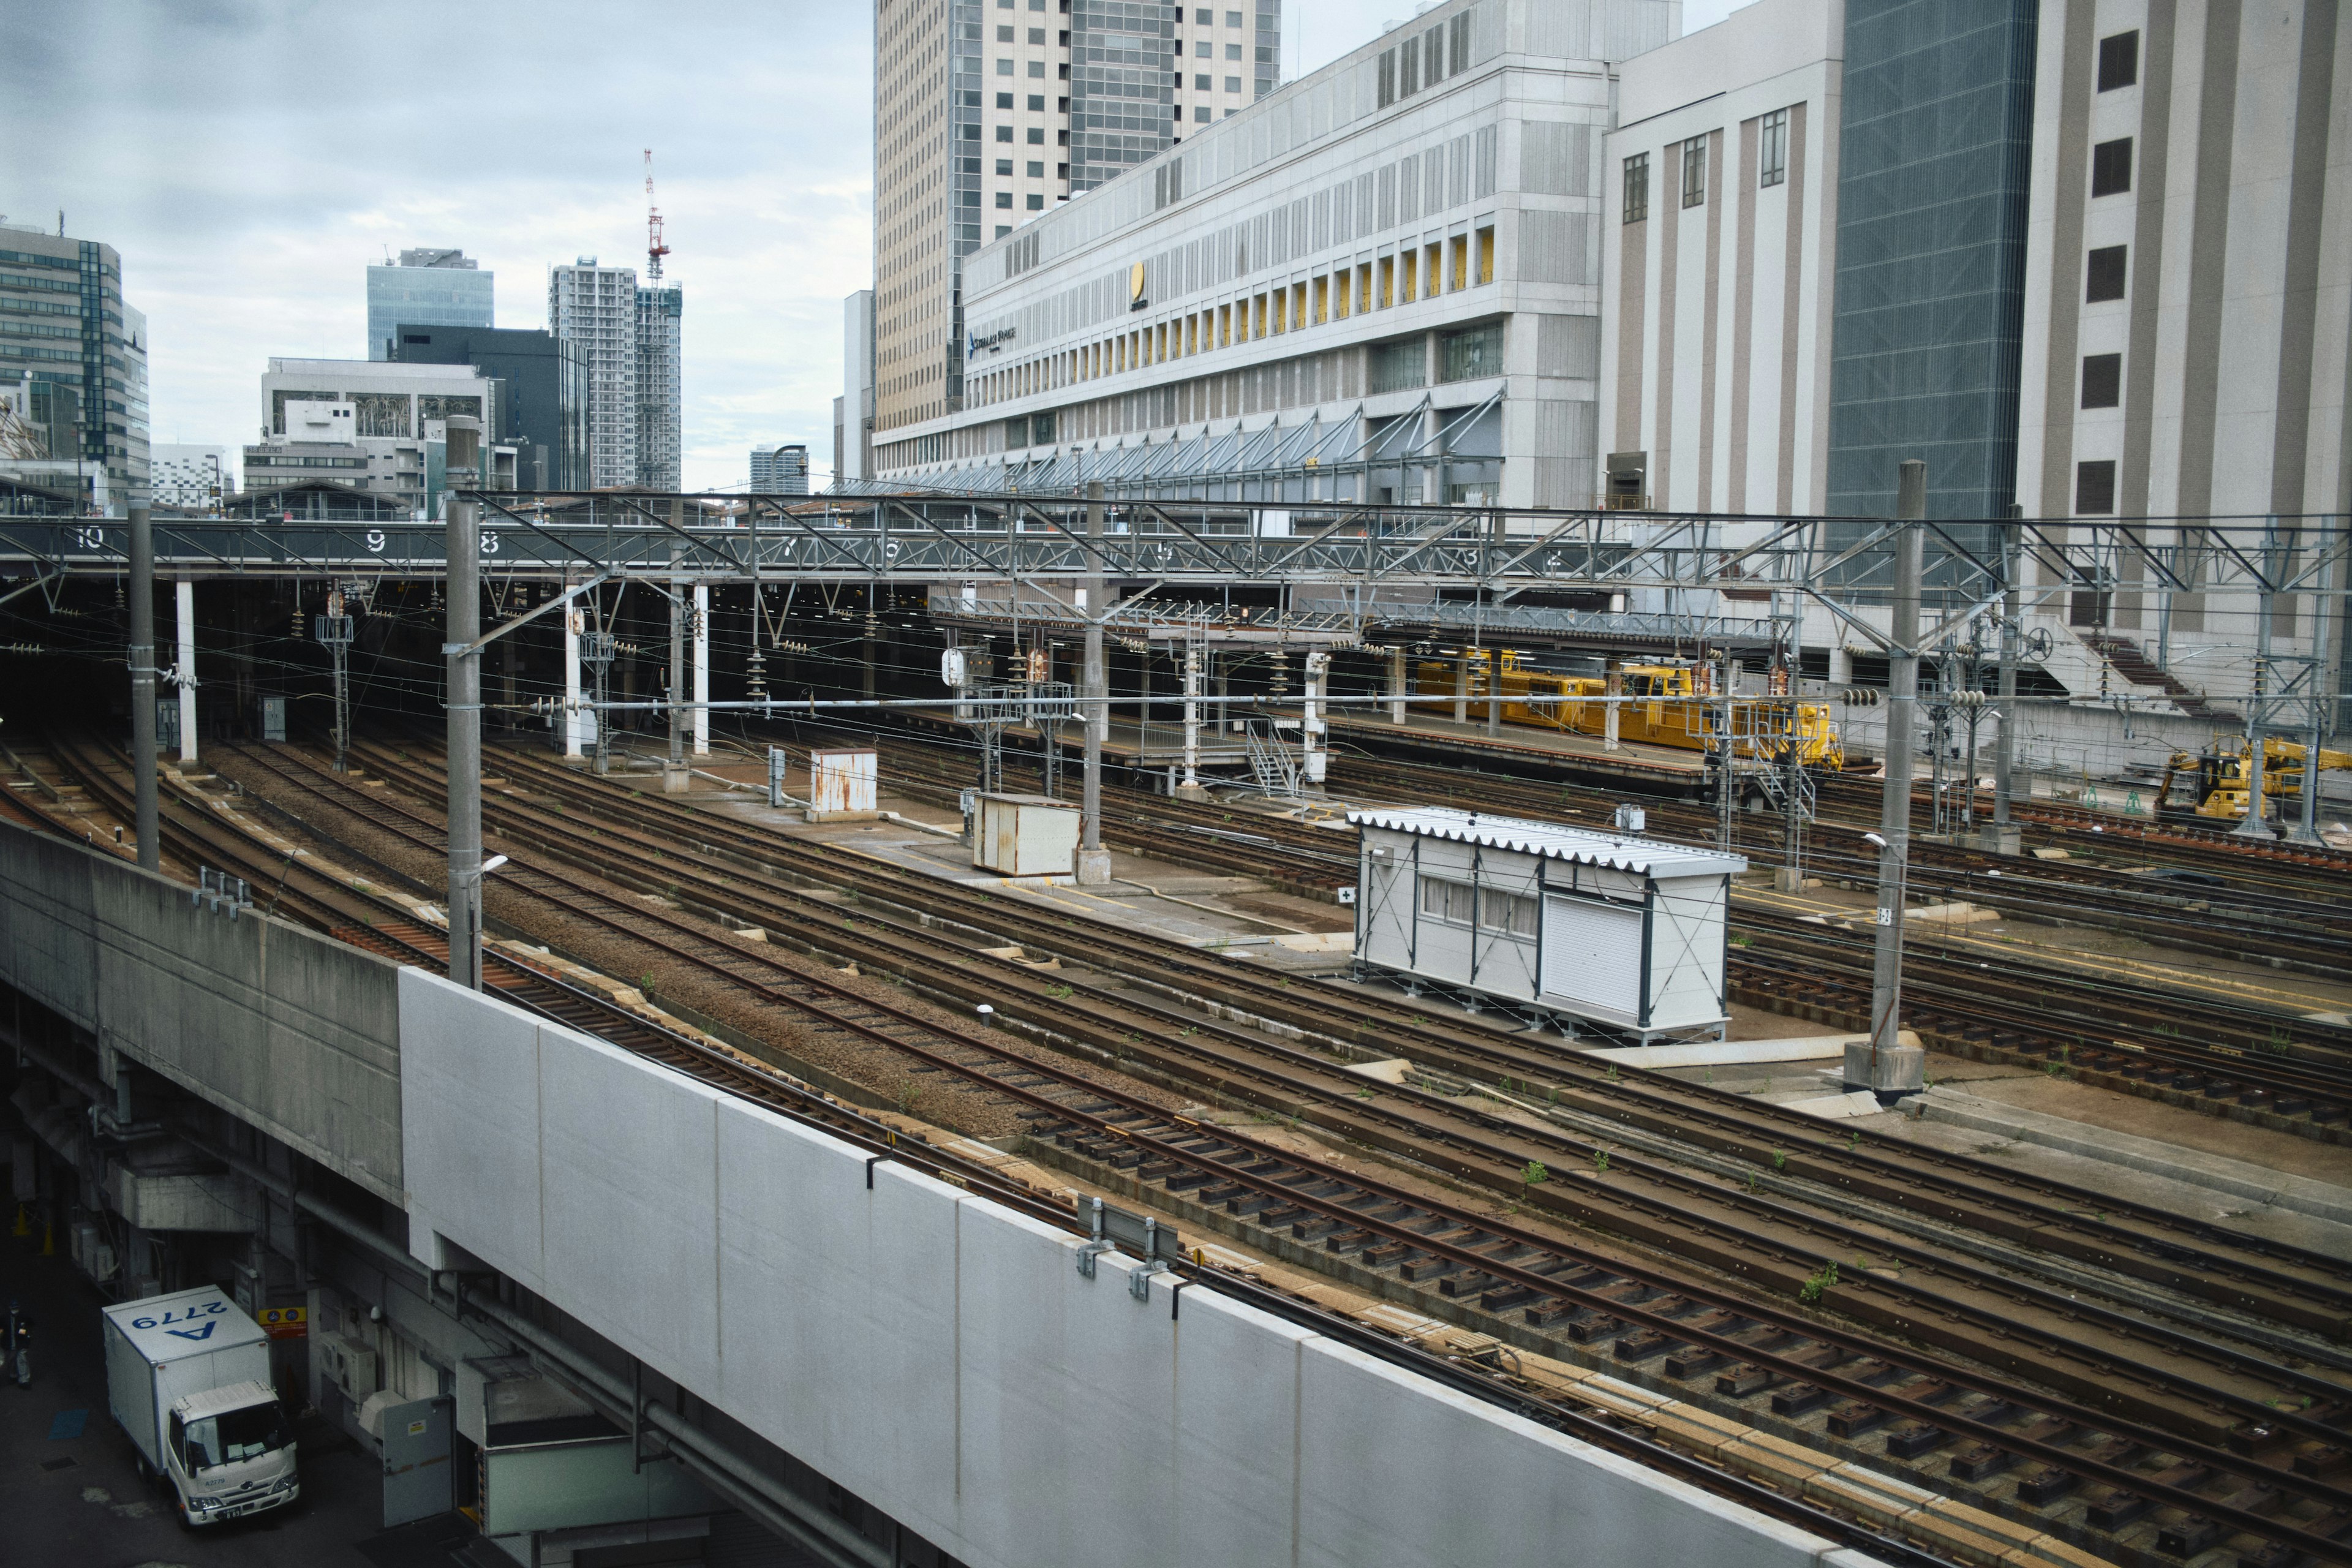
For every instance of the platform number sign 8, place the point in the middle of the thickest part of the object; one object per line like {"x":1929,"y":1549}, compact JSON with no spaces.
{"x":489,"y":542}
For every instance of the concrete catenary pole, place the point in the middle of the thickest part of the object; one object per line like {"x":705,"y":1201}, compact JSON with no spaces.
{"x":462,"y":525}
{"x":143,"y":684}
{"x":1094,"y":862}
{"x":186,"y":673}
{"x":1887,"y":1066}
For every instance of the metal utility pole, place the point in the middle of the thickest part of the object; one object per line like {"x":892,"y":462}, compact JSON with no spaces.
{"x":2258,"y":806}
{"x":334,"y":630}
{"x":674,"y":775}
{"x":2003,"y":837}
{"x":1093,"y":866}
{"x":143,"y":684}
{"x":597,"y":649}
{"x":1887,"y":1065}
{"x":463,"y":521}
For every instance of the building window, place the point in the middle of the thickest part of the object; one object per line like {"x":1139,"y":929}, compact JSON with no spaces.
{"x":1004,"y":101}
{"x":1037,"y":37}
{"x":1472,"y":352}
{"x":1036,"y":170}
{"x":1037,"y":68}
{"x":1004,"y":198}
{"x":1775,"y":148}
{"x":1003,"y":34}
{"x":1200,"y":114}
{"x":1201,"y":83}
{"x":2094,"y":488}
{"x":2103,"y":381}
{"x":2118,"y":61}
{"x":1637,"y":187}
{"x":1400,"y":366}
{"x":2111,"y":167}
{"x":1453,"y":902}
{"x":1037,"y":136}
{"x":1232,"y":51}
{"x":1695,"y":172}
{"x":1508,"y":914}
{"x":1004,"y":67}
{"x":1036,"y":104}
{"x":1004,"y":167}
{"x":1232,"y":19}
{"x":1004,"y":133}
{"x":1233,"y":84}
{"x":1002,"y":229}
{"x":1036,"y":204}
{"x":2104,"y":278}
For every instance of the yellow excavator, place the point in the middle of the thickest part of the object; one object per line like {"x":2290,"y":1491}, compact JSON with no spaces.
{"x":2219,"y":782}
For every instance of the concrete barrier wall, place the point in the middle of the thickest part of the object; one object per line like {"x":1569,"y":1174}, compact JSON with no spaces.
{"x":294,"y":1032}
{"x":941,"y":1356}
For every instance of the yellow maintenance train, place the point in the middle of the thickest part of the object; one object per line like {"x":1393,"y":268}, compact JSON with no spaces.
{"x":1670,"y":705}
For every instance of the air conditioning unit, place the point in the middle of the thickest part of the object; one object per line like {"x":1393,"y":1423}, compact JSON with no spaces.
{"x":348,"y":1364}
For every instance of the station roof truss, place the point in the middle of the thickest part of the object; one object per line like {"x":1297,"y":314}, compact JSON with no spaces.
{"x":1378,"y":562}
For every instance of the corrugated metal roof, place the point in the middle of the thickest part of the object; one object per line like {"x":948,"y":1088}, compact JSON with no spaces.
{"x":1617,"y":851}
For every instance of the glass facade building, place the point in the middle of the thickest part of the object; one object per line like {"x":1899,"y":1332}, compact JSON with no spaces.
{"x":63,"y":325}
{"x":1933,"y":159}
{"x":428,"y":288}
{"x":541,"y":398}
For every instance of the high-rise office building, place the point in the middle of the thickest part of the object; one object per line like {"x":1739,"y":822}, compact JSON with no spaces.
{"x":780,"y":470}
{"x":429,"y":289}
{"x":542,"y":393}
{"x":852,"y":423}
{"x":595,"y":309}
{"x":63,"y":323}
{"x":660,"y":386}
{"x":1038,"y":105}
{"x":1931,"y":253}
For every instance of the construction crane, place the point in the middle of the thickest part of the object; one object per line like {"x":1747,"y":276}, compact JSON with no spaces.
{"x":2218,"y":777}
{"x":654,"y":248}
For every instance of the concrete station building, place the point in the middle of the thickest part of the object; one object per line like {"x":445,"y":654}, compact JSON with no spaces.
{"x":1380,"y":283}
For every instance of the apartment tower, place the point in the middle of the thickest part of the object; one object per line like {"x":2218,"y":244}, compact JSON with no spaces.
{"x":988,"y":113}
{"x":596,"y":308}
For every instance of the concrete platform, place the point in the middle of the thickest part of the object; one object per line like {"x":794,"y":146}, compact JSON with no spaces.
{"x":2237,"y":1178}
{"x":1434,"y":733}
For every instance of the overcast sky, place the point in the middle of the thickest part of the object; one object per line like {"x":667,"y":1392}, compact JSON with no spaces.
{"x":250,"y":158}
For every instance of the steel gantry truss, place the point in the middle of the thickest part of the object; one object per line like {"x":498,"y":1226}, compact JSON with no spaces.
{"x":1328,"y":564}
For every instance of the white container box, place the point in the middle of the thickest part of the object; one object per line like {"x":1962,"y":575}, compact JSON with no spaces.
{"x":1025,"y":836}
{"x":842,"y":785}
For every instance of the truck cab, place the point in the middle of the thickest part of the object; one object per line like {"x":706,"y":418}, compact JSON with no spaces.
{"x":230,"y":1452}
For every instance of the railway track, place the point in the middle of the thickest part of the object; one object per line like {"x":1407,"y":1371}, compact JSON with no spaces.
{"x":1508,"y":1143}
{"x":318,"y":899}
{"x":2286,"y":1069}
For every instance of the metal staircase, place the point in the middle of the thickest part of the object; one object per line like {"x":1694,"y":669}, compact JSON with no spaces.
{"x":1276,"y":771}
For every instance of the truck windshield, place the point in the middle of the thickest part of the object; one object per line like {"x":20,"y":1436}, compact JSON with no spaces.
{"x":235,"y":1435}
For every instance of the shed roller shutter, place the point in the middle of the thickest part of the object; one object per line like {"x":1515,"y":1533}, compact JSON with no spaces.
{"x":1592,"y":955}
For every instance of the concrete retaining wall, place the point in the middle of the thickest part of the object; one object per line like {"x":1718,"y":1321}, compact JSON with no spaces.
{"x":941,"y":1356}
{"x":294,"y":1032}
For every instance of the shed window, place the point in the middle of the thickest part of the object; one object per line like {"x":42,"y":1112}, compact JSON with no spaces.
{"x":1446,"y":900}
{"x":1507,"y":914}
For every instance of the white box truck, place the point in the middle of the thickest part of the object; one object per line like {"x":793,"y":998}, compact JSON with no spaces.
{"x":187,"y":1375}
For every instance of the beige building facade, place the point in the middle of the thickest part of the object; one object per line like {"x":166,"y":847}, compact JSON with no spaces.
{"x":1718,"y":265}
